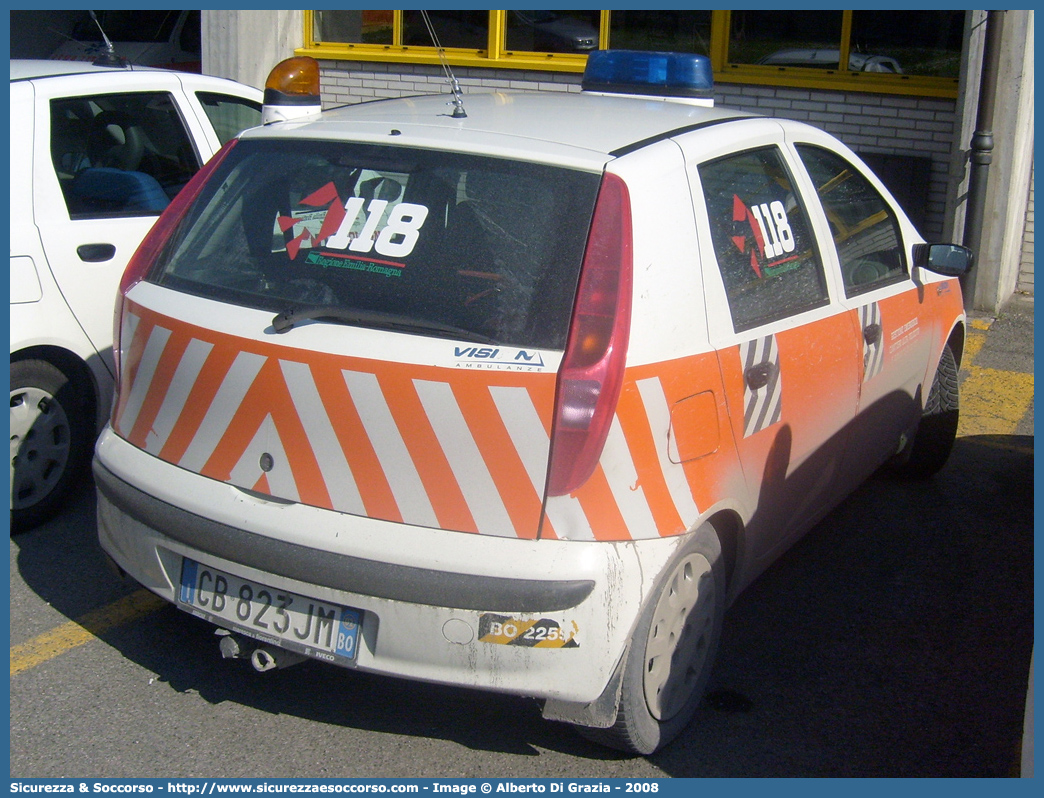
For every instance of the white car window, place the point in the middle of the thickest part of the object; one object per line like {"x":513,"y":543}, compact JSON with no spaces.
{"x":120,"y":154}
{"x":229,"y":115}
{"x":864,"y":226}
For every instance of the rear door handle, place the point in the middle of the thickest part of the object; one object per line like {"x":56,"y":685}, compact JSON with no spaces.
{"x":872,"y":334}
{"x":96,"y":253}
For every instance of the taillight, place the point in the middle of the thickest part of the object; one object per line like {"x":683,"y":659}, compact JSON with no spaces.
{"x":592,"y":371}
{"x":150,"y":247}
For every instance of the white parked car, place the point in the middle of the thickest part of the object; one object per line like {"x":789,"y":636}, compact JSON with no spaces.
{"x":96,"y":154}
{"x":516,"y":391}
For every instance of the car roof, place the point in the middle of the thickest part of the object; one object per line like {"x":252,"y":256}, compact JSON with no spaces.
{"x":28,"y":69}
{"x":585,"y":121}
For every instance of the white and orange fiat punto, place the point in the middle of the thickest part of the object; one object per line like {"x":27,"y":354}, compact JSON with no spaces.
{"x":516,"y":391}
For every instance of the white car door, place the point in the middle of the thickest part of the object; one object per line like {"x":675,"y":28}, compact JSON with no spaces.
{"x":109,"y":156}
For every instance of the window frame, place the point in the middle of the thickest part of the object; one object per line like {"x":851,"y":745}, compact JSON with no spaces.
{"x":496,"y":56}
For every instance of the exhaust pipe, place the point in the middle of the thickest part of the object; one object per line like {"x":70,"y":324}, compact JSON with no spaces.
{"x":262,"y":657}
{"x":266,"y":658}
{"x":232,"y":646}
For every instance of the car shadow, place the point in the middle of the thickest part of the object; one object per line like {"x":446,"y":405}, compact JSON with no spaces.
{"x":894,"y":639}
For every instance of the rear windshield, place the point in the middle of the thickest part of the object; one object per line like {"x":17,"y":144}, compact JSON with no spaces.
{"x":468,"y":247}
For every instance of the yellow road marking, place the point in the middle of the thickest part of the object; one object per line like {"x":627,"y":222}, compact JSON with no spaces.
{"x":972,"y":345}
{"x":75,"y":633}
{"x":993,"y":402}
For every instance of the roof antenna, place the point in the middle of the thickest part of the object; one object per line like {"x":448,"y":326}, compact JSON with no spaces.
{"x":109,"y":57}
{"x":458,"y":96}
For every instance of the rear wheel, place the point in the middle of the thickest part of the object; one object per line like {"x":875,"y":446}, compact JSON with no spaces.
{"x":50,"y":427}
{"x":937,"y":429}
{"x":671,"y":653}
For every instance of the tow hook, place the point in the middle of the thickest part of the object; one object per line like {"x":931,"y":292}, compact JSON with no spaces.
{"x":262,"y":657}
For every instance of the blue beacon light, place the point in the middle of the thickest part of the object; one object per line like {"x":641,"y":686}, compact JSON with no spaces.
{"x":649,"y":73}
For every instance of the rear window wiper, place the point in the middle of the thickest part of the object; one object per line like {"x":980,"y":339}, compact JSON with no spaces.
{"x":371,"y":318}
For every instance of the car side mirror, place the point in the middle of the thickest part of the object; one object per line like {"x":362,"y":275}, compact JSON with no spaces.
{"x":951,"y":260}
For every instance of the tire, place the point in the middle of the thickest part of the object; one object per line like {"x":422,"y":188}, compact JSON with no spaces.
{"x":51,"y":424}
{"x":937,"y":429}
{"x":672,"y":650}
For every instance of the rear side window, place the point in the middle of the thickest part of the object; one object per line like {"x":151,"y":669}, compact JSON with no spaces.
{"x":864,"y":226}
{"x":762,"y":240}
{"x":229,"y":115}
{"x":120,"y":154}
{"x":437,"y":243}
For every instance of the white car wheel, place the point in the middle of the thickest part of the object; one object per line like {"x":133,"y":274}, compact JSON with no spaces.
{"x":49,"y":439}
{"x":672,"y":649}
{"x":680,"y":637}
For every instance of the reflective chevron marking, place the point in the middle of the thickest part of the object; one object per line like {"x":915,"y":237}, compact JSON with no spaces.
{"x":337,"y":474}
{"x":762,"y":407}
{"x":143,"y":379}
{"x":873,"y":352}
{"x":465,"y":459}
{"x":391,"y":450}
{"x":221,"y":411}
{"x":659,"y":414}
{"x":247,"y":472}
{"x":422,"y":445}
{"x":625,"y":485}
{"x":185,"y":377}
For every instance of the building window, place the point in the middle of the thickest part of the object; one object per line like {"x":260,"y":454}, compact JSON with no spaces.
{"x":461,"y":30}
{"x":923,"y":42}
{"x":885,"y":43}
{"x":901,"y":52}
{"x":786,"y":38}
{"x":669,"y":31}
{"x":553,"y":31}
{"x":353,"y":27}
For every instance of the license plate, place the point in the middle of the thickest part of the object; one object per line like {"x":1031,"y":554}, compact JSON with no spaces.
{"x":315,"y":628}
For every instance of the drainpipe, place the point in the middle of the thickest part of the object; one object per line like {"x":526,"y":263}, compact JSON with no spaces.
{"x":982,"y":150}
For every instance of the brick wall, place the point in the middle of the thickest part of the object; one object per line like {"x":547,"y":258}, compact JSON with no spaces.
{"x":352,"y":82}
{"x":918,"y":130}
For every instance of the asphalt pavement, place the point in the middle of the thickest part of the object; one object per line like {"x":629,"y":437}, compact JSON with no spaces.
{"x":1008,"y":348}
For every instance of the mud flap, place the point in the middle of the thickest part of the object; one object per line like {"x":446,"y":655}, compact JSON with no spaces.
{"x":598,"y":714}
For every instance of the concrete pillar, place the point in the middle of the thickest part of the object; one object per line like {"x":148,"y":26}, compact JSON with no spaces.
{"x":998,"y":259}
{"x":245,"y":45}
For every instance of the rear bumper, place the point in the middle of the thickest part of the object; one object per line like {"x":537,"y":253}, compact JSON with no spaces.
{"x":426,"y":594}
{"x":341,"y":572}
